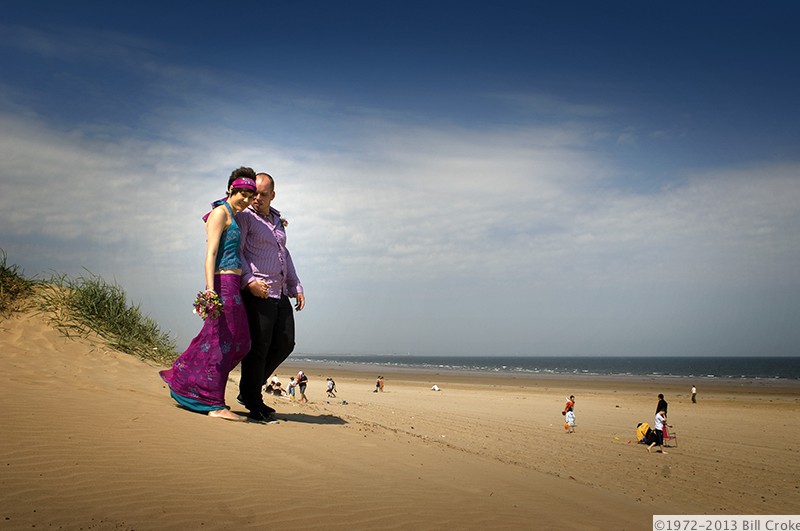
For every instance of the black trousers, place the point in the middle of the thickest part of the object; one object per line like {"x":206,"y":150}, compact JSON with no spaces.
{"x":271,"y":341}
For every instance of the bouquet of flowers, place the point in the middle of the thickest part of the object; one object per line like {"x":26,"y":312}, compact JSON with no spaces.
{"x":207,"y":304}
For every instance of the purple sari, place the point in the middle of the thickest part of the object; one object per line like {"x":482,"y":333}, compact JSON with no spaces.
{"x":197,"y":378}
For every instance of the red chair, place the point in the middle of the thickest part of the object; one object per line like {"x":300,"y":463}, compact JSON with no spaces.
{"x":670,"y":437}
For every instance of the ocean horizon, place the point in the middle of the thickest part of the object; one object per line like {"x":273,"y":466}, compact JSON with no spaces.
{"x":705,"y":367}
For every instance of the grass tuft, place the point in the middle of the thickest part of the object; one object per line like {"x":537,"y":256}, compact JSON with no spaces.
{"x":77,"y":307}
{"x":15,"y":289}
{"x":89,"y":303}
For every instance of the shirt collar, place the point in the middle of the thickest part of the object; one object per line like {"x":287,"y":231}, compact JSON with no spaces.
{"x":272,"y":212}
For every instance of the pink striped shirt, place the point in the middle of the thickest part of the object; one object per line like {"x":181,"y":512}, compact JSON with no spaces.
{"x":264,"y":253}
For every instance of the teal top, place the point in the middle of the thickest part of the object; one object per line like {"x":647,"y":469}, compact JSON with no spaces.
{"x":228,"y":251}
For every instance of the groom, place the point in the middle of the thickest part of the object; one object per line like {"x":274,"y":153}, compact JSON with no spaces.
{"x":269,"y":280}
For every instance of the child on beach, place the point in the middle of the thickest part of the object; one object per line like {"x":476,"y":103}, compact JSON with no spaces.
{"x":659,"y":423}
{"x":290,"y":388}
{"x":570,"y":420}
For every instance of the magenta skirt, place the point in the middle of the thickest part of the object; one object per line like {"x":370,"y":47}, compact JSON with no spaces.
{"x":198,"y":377}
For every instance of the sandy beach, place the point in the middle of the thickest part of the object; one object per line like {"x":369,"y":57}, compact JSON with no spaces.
{"x":92,"y":440}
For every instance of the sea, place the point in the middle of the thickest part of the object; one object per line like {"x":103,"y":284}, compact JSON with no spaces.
{"x":754,"y":367}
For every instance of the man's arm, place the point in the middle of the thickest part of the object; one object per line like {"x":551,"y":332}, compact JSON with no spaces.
{"x":293,"y":284}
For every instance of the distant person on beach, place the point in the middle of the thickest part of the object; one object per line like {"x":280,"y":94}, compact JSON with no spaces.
{"x":302,"y":382}
{"x":271,"y":280}
{"x":291,"y":387}
{"x":569,"y":418}
{"x":694,"y":394}
{"x":331,"y":388}
{"x":662,"y":404}
{"x":658,"y":425}
{"x":379,"y":384}
{"x":274,"y":389}
{"x":570,"y":403}
{"x":197,"y":378}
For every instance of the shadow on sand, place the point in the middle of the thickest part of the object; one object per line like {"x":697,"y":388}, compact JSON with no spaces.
{"x":310,"y":419}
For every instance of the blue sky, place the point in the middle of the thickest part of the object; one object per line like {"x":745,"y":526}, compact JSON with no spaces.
{"x":509,"y":178}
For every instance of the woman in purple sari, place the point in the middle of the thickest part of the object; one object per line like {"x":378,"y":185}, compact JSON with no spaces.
{"x":197,"y":378}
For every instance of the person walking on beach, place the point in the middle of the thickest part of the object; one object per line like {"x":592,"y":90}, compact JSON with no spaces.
{"x":270,"y":280}
{"x":570,"y":403}
{"x":198,"y":376}
{"x":302,"y":382}
{"x":658,"y":425}
{"x":662,"y":404}
{"x":694,"y":394}
{"x":331,"y":388}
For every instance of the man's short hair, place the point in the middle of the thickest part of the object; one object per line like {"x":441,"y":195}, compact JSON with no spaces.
{"x":271,"y":180}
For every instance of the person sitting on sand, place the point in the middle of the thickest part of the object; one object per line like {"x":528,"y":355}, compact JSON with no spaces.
{"x":197,"y":378}
{"x":274,"y":389}
{"x":658,"y":425}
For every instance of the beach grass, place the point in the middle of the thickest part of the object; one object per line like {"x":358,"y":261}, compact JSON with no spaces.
{"x":79,"y":305}
{"x":87,"y":304}
{"x":15,"y":289}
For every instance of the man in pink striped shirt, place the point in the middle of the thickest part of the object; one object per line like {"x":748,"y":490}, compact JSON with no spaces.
{"x":269,"y":280}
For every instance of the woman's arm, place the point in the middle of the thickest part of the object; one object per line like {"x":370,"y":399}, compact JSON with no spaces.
{"x":217,"y":222}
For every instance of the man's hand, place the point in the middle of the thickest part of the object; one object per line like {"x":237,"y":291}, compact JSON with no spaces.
{"x":259,"y":289}
{"x":301,"y":302}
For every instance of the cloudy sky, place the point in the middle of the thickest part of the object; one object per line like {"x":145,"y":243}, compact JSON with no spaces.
{"x":487,"y":178}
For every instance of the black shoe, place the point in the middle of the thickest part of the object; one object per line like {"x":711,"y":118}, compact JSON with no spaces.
{"x":260,"y":417}
{"x":267,"y":410}
{"x":261,"y":406}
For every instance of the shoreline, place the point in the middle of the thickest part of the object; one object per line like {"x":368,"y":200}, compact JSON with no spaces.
{"x":579,"y":379}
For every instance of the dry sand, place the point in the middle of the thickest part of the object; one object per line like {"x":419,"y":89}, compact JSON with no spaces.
{"x":91,"y":440}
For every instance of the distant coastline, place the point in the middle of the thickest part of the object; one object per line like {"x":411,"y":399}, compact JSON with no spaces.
{"x":785,"y":369}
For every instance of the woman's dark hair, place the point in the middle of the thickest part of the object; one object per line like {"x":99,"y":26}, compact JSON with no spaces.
{"x":242,"y":172}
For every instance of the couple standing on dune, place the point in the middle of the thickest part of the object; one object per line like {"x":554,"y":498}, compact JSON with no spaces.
{"x":250,"y":271}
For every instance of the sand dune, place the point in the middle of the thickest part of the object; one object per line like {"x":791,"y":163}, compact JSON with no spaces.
{"x":91,"y":440}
